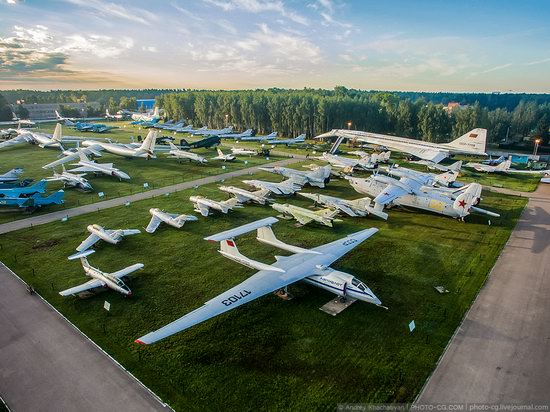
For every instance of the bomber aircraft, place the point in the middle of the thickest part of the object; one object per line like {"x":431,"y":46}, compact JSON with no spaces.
{"x":145,"y":150}
{"x":309,"y":265}
{"x":286,"y":187}
{"x":101,"y":280}
{"x":172,"y":219}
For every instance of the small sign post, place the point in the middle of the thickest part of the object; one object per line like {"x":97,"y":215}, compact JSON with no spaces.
{"x":107,"y":306}
{"x":412,"y":326}
{"x":101,"y":194}
{"x":145,"y":185}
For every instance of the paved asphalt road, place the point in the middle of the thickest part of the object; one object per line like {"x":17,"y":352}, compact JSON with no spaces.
{"x":120,"y":201}
{"x":501,"y":352}
{"x":47,"y":365}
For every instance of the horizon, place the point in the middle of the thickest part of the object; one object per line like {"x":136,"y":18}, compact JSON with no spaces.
{"x":401,"y":46}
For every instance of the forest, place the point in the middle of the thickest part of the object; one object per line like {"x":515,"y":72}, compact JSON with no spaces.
{"x":422,"y":115}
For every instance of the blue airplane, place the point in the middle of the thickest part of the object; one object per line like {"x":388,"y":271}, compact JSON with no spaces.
{"x":25,"y":191}
{"x":90,"y":127}
{"x":15,"y":185}
{"x":34,"y":201}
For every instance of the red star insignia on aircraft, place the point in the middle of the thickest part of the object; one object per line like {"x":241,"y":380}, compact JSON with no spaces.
{"x":462,"y":203}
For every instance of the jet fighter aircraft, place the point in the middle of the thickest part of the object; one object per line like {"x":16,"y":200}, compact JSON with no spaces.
{"x":11,"y":176}
{"x":87,"y":165}
{"x":172,"y":219}
{"x":243,"y":151}
{"x":259,"y":196}
{"x":203,"y":205}
{"x":98,"y":233}
{"x":71,"y":180}
{"x":176,"y":153}
{"x":287,"y":187}
{"x":346,"y":163}
{"x":288,"y":142}
{"x":309,"y":265}
{"x":257,"y":138}
{"x":101,"y":280}
{"x":304,"y":216}
{"x":502,"y":167}
{"x":229,"y":157}
{"x":73,"y":154}
{"x":354,"y":208}
{"x":318,"y":178}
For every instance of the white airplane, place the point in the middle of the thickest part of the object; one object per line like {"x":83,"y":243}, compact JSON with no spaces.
{"x":455,"y":167}
{"x":309,"y":265}
{"x":203,"y":205}
{"x":87,"y":165}
{"x":176,"y":153}
{"x":259,"y":138}
{"x":101,"y":280}
{"x":354,"y":208}
{"x":73,"y":154}
{"x":217,"y":132}
{"x":500,"y":168}
{"x":318,"y":178}
{"x":11,"y":176}
{"x":380,"y":157}
{"x":246,"y":133}
{"x":242,"y":151}
{"x":410,"y":192}
{"x":545,"y":180}
{"x":298,"y":139}
{"x":229,"y":157}
{"x":471,"y":143}
{"x":174,"y":220}
{"x":304,"y":216}
{"x":170,"y":127}
{"x":43,"y":140}
{"x":259,"y":196}
{"x":287,"y":187}
{"x":118,"y":116}
{"x":346,"y":163}
{"x":71,"y":180}
{"x":98,"y":233}
{"x":145,"y":150}
{"x":446,"y":179}
{"x":146,"y":117}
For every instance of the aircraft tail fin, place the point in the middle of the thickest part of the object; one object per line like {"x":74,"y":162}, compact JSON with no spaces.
{"x":456,"y":166}
{"x":504,"y":166}
{"x":83,"y":157}
{"x":57,"y":115}
{"x":233,"y":202}
{"x":468,"y":198}
{"x":328,"y":213}
{"x":220,"y":153}
{"x":473,"y":141}
{"x":447,"y":177}
{"x":149,"y":142}
{"x":54,"y":198}
{"x":57,"y":133}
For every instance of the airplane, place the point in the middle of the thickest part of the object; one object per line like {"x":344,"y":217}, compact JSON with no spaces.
{"x":102,"y":280}
{"x":173,"y":127}
{"x":494,"y":162}
{"x":118,"y":116}
{"x":71,"y":180}
{"x":354,"y":208}
{"x":177,"y":153}
{"x":229,"y":157}
{"x":545,"y":180}
{"x":90,"y":127}
{"x":8,"y":133}
{"x":216,"y":132}
{"x":145,"y":150}
{"x":181,"y":129}
{"x":304,"y":216}
{"x":346,"y":163}
{"x":242,"y":151}
{"x":298,"y":139}
{"x":203,"y":205}
{"x":43,"y":140}
{"x":206,"y":143}
{"x":34,"y":201}
{"x":259,"y":138}
{"x":286,"y":187}
{"x":98,"y":233}
{"x":309,"y":265}
{"x":455,"y":167}
{"x":410,"y":192}
{"x":503,"y":167}
{"x":17,"y":184}
{"x":73,"y":154}
{"x":246,"y":133}
{"x":446,"y":179}
{"x":11,"y":176}
{"x":138,"y":118}
{"x":24,"y":191}
{"x":471,"y":143}
{"x":259,"y":196}
{"x":318,"y":178}
{"x":87,"y":165}
{"x":381,"y":157}
{"x":159,"y":216}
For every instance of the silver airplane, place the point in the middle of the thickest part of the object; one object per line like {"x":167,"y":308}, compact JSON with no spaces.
{"x":159,"y":216}
{"x":11,"y":176}
{"x":304,"y":216}
{"x":43,"y":140}
{"x":101,"y":280}
{"x":259,"y":196}
{"x":203,"y":205}
{"x":455,"y":167}
{"x":98,"y":233}
{"x":229,"y":157}
{"x":447,"y":179}
{"x":246,"y":133}
{"x":217,"y":132}
{"x":87,"y":165}
{"x":176,"y":153}
{"x":410,"y":192}
{"x":72,"y":154}
{"x":309,"y":265}
{"x":71,"y":180}
{"x":286,"y":188}
{"x":318,"y":178}
{"x":243,"y":151}
{"x":502,"y":167}
{"x":354,"y":208}
{"x":259,"y":138}
{"x":346,"y":163}
{"x":145,"y":150}
{"x":288,"y":142}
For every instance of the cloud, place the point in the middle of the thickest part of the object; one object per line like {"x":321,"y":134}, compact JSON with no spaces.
{"x":290,"y":47}
{"x":534,"y":62}
{"x":186,"y":12}
{"x":108,"y":9}
{"x":98,"y":45}
{"x":150,"y":49}
{"x":259,"y":6}
{"x":496,"y":68}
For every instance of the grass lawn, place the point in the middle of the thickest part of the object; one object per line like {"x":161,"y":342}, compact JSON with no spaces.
{"x":155,"y":172}
{"x":272,"y":354}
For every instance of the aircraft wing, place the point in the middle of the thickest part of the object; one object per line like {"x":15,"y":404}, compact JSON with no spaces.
{"x":426,"y":153}
{"x":13,"y":141}
{"x":88,"y":243}
{"x":390,"y":193}
{"x":153,"y":224}
{"x":91,"y":284}
{"x":126,"y":271}
{"x":304,"y":220}
{"x":203,"y":209}
{"x":84,"y":169}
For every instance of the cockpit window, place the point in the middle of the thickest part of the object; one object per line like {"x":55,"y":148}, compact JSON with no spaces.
{"x":355,"y":282}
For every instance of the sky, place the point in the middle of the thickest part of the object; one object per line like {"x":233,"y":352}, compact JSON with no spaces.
{"x":423,"y":45}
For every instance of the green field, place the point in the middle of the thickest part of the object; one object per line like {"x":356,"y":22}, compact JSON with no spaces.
{"x":272,"y":354}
